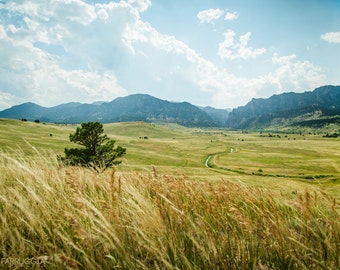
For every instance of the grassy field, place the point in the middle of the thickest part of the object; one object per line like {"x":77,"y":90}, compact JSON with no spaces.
{"x":183,"y":198}
{"x":282,"y":161}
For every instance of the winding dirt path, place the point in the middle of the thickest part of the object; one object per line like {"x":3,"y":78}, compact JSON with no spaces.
{"x":207,"y":161}
{"x":213,"y":165}
{"x":215,"y":155}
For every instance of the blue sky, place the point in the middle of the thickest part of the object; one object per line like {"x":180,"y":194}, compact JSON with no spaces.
{"x":220,"y":53}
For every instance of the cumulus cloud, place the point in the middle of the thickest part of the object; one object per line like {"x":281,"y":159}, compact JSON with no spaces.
{"x":141,"y":5}
{"x":331,"y":37}
{"x":33,"y":69}
{"x":221,"y":86}
{"x":209,"y":15}
{"x":294,"y":75}
{"x":289,"y":74}
{"x":230,"y":16}
{"x":60,"y":51}
{"x":34,"y":75}
{"x":228,"y":49}
{"x":6,"y":100}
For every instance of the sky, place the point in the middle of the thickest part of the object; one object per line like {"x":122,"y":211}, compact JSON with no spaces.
{"x":219,"y":53}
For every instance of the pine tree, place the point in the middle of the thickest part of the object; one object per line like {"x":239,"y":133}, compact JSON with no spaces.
{"x":98,"y":150}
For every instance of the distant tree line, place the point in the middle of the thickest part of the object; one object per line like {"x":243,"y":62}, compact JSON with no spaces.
{"x":333,"y":135}
{"x":35,"y":121}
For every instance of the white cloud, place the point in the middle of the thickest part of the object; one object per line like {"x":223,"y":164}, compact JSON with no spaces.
{"x":141,"y":5}
{"x":105,"y":46}
{"x":219,"y":85}
{"x":331,"y":37}
{"x":292,"y":75}
{"x":31,"y":74}
{"x":6,"y":100}
{"x":38,"y":75}
{"x":141,"y":32}
{"x":230,"y":16}
{"x":289,"y":75}
{"x":208,"y":15}
{"x":228,"y":49}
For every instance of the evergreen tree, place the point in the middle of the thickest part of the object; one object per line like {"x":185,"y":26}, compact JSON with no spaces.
{"x":98,"y":150}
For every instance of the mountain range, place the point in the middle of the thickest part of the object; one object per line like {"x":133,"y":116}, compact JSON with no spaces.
{"x":137,"y":107}
{"x":312,"y":108}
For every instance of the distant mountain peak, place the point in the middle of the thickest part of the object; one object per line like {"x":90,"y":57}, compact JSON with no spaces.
{"x":259,"y":113}
{"x":319,"y":105}
{"x":136,"y":107}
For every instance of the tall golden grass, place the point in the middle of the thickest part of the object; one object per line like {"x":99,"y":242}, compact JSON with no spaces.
{"x":55,"y":217}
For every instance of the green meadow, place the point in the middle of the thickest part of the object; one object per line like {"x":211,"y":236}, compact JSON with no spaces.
{"x":182,"y":198}
{"x":282,"y":161}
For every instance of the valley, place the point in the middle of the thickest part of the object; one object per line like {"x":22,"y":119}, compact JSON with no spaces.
{"x":182,"y":198}
{"x":285,"y":161}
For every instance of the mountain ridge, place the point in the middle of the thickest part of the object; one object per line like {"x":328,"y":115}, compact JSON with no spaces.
{"x":259,"y":113}
{"x":136,"y":107}
{"x":315,"y":108}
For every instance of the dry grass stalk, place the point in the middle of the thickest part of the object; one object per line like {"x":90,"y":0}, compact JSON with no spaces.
{"x":74,"y":218}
